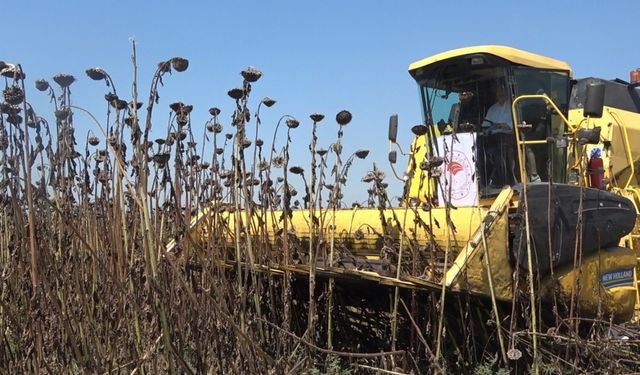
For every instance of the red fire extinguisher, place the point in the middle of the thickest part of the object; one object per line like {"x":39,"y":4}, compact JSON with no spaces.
{"x":596,"y":169}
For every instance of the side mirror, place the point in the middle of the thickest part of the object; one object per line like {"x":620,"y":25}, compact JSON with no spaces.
{"x":594,"y":101}
{"x":393,"y":157}
{"x":393,"y":128}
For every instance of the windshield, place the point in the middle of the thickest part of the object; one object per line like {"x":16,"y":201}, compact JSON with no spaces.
{"x":461,"y":101}
{"x":478,"y":101}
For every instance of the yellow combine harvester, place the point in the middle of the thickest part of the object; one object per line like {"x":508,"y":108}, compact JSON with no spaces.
{"x":520,"y":177}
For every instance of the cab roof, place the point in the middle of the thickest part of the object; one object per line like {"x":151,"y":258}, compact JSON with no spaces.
{"x":513,"y":55}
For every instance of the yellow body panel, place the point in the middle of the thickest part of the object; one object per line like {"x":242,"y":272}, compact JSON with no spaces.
{"x":622,"y":130}
{"x":511,"y":54}
{"x":592,"y":296}
{"x":475,"y":264}
{"x":366,"y":221}
{"x":421,"y":186}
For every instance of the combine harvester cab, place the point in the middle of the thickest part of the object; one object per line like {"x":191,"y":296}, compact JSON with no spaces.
{"x":519,"y":179}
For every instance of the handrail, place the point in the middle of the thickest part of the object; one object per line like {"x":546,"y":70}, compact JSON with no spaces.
{"x":627,"y":146}
{"x":519,"y":142}
{"x":546,"y":99}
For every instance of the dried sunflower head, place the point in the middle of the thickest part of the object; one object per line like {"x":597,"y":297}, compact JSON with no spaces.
{"x":263,"y":165}
{"x":251,"y":74}
{"x":278,"y":161}
{"x":375,"y":175}
{"x":12,"y":71}
{"x":296,"y":170}
{"x":317,"y":117}
{"x":96,"y":74}
{"x":236,"y":93}
{"x":161,"y":159}
{"x":321,"y":152}
{"x":13,"y":95}
{"x":361,"y":154}
{"x":93,"y":140}
{"x":292,"y":123}
{"x":42,"y":85}
{"x":179,"y":64}
{"x":259,"y":142}
{"x":214,"y":111}
{"x":64,"y":80}
{"x":514,"y":354}
{"x":63,"y":113}
{"x":343,"y":117}
{"x":268,"y":101}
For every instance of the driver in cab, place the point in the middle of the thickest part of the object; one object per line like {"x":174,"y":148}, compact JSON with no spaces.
{"x":498,"y":119}
{"x":499,"y":143}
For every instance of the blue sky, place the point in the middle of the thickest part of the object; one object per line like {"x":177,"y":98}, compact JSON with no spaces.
{"x":320,"y":56}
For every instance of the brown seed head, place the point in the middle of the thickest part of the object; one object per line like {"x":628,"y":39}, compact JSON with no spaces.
{"x":12,"y":71}
{"x":179,"y":64}
{"x":64,"y":80}
{"x":361,"y":154}
{"x":236,"y":93}
{"x":343,"y":117}
{"x":251,"y":74}
{"x":296,"y":170}
{"x":292,"y":123}
{"x":42,"y":85}
{"x":13,"y":95}
{"x":268,"y":101}
{"x":96,"y":73}
{"x":317,"y":117}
